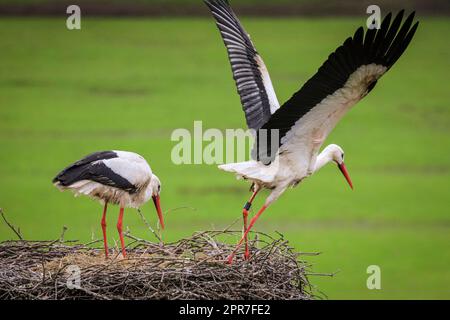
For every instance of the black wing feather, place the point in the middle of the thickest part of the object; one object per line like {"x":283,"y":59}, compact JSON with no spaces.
{"x":245,"y":64}
{"x":89,"y":168}
{"x":383,"y":47}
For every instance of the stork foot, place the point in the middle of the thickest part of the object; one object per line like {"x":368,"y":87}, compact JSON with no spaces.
{"x":230,"y":259}
{"x":252,"y":222}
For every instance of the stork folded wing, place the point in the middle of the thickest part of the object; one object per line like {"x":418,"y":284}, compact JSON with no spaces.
{"x":249,"y":71}
{"x":345,"y":78}
{"x":96,"y":167}
{"x":100,"y":172}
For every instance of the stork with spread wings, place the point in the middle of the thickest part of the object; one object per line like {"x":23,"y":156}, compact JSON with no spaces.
{"x":304,"y":121}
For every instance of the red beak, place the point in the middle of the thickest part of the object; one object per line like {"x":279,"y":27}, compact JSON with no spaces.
{"x":158,"y":210}
{"x":345,"y":173}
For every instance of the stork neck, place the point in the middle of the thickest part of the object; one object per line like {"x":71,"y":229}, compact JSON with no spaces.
{"x":148,"y":193}
{"x":322,"y":159}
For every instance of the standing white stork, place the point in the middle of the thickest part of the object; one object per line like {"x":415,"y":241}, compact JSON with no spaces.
{"x":117,"y":177}
{"x":303,"y":123}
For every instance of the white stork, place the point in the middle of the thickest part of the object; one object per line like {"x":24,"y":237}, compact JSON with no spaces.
{"x":117,"y":177}
{"x":303,"y":123}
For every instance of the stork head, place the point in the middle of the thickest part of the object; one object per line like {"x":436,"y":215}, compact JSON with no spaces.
{"x":337,"y":155}
{"x":155,"y":189}
{"x":333,"y":152}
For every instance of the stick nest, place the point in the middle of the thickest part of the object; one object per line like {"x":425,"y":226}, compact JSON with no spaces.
{"x":192,"y":268}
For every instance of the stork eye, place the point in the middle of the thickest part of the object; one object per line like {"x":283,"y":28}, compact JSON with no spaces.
{"x":159,"y":187}
{"x":342,"y":157}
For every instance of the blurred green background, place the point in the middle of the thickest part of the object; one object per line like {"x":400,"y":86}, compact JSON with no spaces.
{"x":127,"y":83}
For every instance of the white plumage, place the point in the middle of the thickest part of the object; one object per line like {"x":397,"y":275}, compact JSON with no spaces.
{"x":113,"y":177}
{"x":300,"y":126}
{"x":130,"y":166}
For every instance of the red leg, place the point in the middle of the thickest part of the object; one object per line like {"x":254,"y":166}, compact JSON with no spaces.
{"x":103,"y":223}
{"x":119,"y":228}
{"x":245,"y":215}
{"x":252,"y":222}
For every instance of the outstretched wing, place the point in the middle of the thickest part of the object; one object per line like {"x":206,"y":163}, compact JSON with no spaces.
{"x":252,"y":79}
{"x":349,"y":74}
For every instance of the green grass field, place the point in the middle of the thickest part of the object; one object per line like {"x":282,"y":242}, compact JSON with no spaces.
{"x":127,"y":84}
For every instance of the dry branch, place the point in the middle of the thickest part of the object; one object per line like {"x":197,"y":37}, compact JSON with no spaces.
{"x":191,"y":268}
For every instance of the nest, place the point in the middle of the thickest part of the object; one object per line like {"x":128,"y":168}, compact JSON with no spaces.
{"x":191,"y":268}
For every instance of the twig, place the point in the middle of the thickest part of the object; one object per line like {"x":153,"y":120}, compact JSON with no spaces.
{"x":179,"y":208}
{"x":17,"y":232}
{"x":149,"y":226}
{"x":323,"y":274}
{"x":190,"y":268}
